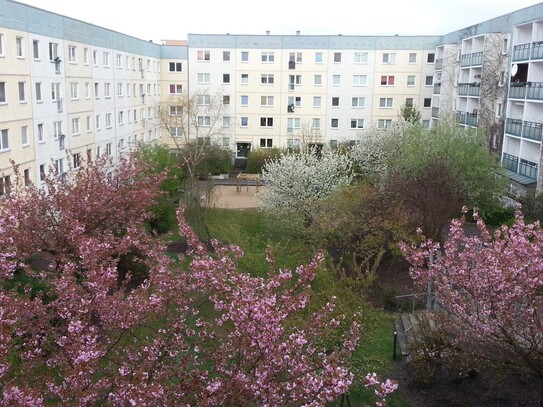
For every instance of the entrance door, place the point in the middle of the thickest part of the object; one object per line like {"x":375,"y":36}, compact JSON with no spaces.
{"x":242,"y":150}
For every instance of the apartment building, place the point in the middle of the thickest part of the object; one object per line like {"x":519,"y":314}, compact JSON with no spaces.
{"x":68,"y":89}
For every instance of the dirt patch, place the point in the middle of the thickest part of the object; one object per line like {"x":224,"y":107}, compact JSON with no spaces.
{"x":227,"y":196}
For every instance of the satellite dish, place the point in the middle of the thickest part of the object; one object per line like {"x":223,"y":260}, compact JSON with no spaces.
{"x":514,"y":69}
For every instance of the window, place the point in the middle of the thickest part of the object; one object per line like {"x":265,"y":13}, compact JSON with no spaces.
{"x":204,"y":100}
{"x":35,"y":49}
{"x":244,"y":121}
{"x":294,"y":80}
{"x":412,"y":57}
{"x":4,"y":140}
{"x":120,"y":89}
{"x":176,"y":131}
{"x":38,"y":92}
{"x":176,"y":110}
{"x":268,"y":57}
{"x":334,"y":123}
{"x":409,"y":101}
{"x":337,"y":56}
{"x":74,"y":90}
{"x":204,"y":78}
{"x":385,"y":102}
{"x":360,"y":80}
{"x":427,"y":102}
{"x":86,"y":56}
{"x":360,"y":57}
{"x":204,"y":121}
{"x":431,"y":58}
{"x":57,"y":129}
{"x":226,"y":121}
{"x":26,"y":177}
{"x":317,"y":101}
{"x":389,"y":58}
{"x":24,"y":136}
{"x":318,"y":57}
{"x":317,"y":80}
{"x":384,"y":123}
{"x":226,"y":99}
{"x":387,"y":80}
{"x":295,"y":101}
{"x":225,"y":78}
{"x":5,"y":185}
{"x":75,"y":126}
{"x":2,"y":92}
{"x":127,"y":90}
{"x":76,"y":160}
{"x":226,"y":142}
{"x":22,"y":95}
{"x":175,"y":88}
{"x":41,"y":136}
{"x":357,"y":123}
{"x":429,"y":80}
{"x":72,"y":56}
{"x":175,"y":66}
{"x":108,"y":120}
{"x":244,"y":56}
{"x":335,"y":101}
{"x":19,"y":46}
{"x":108,"y":149}
{"x":316,"y":123}
{"x":107,"y":90}
{"x":1,"y":44}
{"x":244,"y":100}
{"x":94,"y":57}
{"x":203,"y":55}
{"x":336,"y":80}
{"x":42,"y":172}
{"x":266,"y":122}
{"x":89,"y":124}
{"x":410,"y":80}
{"x":119,"y":60}
{"x":97,"y":122}
{"x":244,"y":78}
{"x":267,"y":79}
{"x":266,"y":143}
{"x":96,"y":90}
{"x":105,"y":59}
{"x":295,"y":57}
{"x":266,"y":101}
{"x":293,"y":123}
{"x":120,"y":117}
{"x":55,"y":91}
{"x":358,"y":102}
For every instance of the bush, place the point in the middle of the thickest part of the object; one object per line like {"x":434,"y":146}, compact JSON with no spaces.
{"x":257,"y":158}
{"x":217,"y":160}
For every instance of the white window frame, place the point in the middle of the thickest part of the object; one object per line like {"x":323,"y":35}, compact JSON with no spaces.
{"x":358,"y":102}
{"x":72,"y":54}
{"x":386,"y":103}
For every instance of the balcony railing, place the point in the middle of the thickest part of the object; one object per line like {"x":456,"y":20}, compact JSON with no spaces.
{"x":525,"y":52}
{"x":513,"y":127}
{"x":523,"y":167}
{"x":469,"y":89}
{"x":467,"y":119}
{"x":473,"y":59}
{"x":531,"y":130}
{"x":439,"y":64}
{"x":437,"y":88}
{"x":435,"y":112}
{"x":526,"y":90}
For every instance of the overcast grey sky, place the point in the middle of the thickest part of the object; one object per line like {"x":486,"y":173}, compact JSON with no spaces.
{"x":166,"y":19}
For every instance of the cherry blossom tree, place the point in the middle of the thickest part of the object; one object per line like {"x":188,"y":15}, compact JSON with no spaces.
{"x":93,"y":311}
{"x":297,"y":183}
{"x":490,"y":288}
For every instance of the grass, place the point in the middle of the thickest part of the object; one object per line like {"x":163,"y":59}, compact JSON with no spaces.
{"x":253,"y":231}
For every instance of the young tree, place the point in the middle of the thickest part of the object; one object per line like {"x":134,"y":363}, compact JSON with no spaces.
{"x":410,"y":114}
{"x":80,"y":323}
{"x":297,"y":183}
{"x":490,"y":289}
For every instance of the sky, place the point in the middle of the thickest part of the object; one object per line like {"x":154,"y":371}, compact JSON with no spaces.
{"x":169,"y":19}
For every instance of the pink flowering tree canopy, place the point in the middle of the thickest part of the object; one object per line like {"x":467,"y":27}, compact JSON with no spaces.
{"x":490,"y":289}
{"x":93,"y":311}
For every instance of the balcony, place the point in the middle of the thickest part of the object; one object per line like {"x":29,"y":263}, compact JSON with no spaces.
{"x":531,"y":130}
{"x":513,"y":127}
{"x":291,"y":65}
{"x":474,"y":59}
{"x":435,"y":112}
{"x":522,"y":171}
{"x":526,"y":52}
{"x":469,"y":89}
{"x":437,"y":88}
{"x":439,"y":64}
{"x":466,"y":119}
{"x":526,"y":90}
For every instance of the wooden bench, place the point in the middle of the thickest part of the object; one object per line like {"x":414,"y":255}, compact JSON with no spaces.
{"x":247,"y":178}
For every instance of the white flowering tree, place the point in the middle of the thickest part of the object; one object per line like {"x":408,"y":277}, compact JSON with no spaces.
{"x":297,"y":183}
